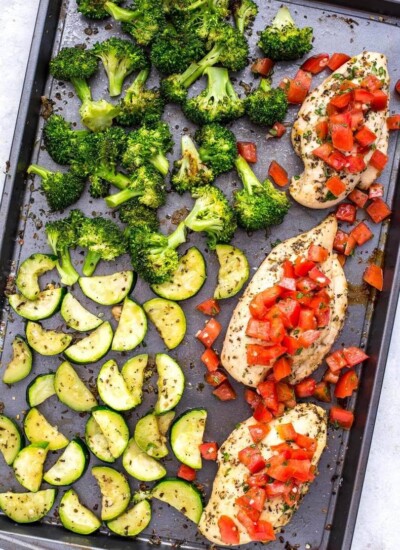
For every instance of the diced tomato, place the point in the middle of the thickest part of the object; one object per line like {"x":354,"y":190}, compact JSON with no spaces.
{"x":262,"y":355}
{"x":358,"y":197}
{"x":379,"y":101}
{"x":330,"y":377}
{"x":262,"y":66}
{"x":341,"y":259}
{"x":375,"y":191}
{"x":209,"y":307}
{"x":356,"y":118}
{"x":371,"y":83}
{"x":308,"y":337}
{"x":307,"y":320}
{"x":361,"y":233}
{"x":337,"y":60}
{"x":347,"y":85}
{"x":258,"y":329}
{"x":373,"y":275}
{"x":267,"y":390}
{"x":378,"y":210}
{"x":277,"y":130}
{"x":305,"y":388}
{"x":228,"y":530}
{"x":263,"y":531}
{"x":209,"y":450}
{"x":210,"y":333}
{"x":365,"y":136}
{"x":247,"y":150}
{"x":262,"y":414}
{"x":285,"y":392}
{"x":336,"y":361}
{"x":322,"y":392}
{"x":299,"y":87}
{"x":246,"y":516}
{"x":280,"y":410}
{"x":216,"y":378}
{"x":347,"y":383}
{"x":340,"y":119}
{"x":278,"y":331}
{"x":323,"y":152}
{"x":355,"y":164}
{"x":316,"y":63}
{"x":393,"y":122}
{"x":286,"y":431}
{"x":288,"y":283}
{"x":363,"y":96}
{"x":335,"y":185}
{"x":337,"y":160}
{"x":346,"y":212}
{"x":254,"y":498}
{"x":282,"y":368}
{"x":291,"y":344}
{"x":278,"y":488}
{"x":354,"y":356}
{"x":303,"y":266}
{"x":277,"y":467}
{"x":341,"y":101}
{"x":210,"y":359}
{"x":321,"y":129}
{"x":319,"y":277}
{"x":278,"y":174}
{"x":258,"y":431}
{"x":306,"y":442}
{"x":341,"y":418}
{"x":397,"y":86}
{"x":252,"y":458}
{"x":378,"y":160}
{"x":342,"y":138}
{"x":259,"y":479}
{"x":339,"y":244}
{"x":284,"y":84}
{"x":317,"y":253}
{"x":288,"y":269}
{"x":264,"y":300}
{"x":350,"y":246}
{"x":290,"y":310}
{"x":225,"y":392}
{"x":305,"y":285}
{"x":252,"y":398}
{"x":186,"y":472}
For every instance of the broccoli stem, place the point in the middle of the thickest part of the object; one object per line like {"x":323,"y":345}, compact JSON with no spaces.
{"x":38,"y":170}
{"x":116,"y":73}
{"x":137,"y":84}
{"x":282,"y":18}
{"x":248,"y":177}
{"x":178,"y":237}
{"x":219,"y":84}
{"x":68,"y":273}
{"x":119,"y":198}
{"x":265,"y":85}
{"x":82,"y":89}
{"x":194,"y":222}
{"x":120,"y":14}
{"x":161,"y":163}
{"x":90,"y":263}
{"x":197,"y":4}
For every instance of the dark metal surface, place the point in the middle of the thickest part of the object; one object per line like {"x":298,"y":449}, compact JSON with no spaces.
{"x":327,"y":516}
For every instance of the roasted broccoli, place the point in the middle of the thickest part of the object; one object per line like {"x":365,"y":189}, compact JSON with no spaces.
{"x":174,"y":87}
{"x":60,"y":189}
{"x":258,"y":205}
{"x":98,"y":188}
{"x":140,"y":105}
{"x":189,"y":170}
{"x":219,"y":7}
{"x":218,"y":147}
{"x":104,"y":241}
{"x":266,"y":105}
{"x":120,"y":58}
{"x":244,"y":13}
{"x":153,"y":255}
{"x":95,"y":9}
{"x":146,"y":184}
{"x":283,"y":40}
{"x":212,"y":214}
{"x":149,"y":144}
{"x":62,"y":235}
{"x":219,"y":102}
{"x":137,"y":215}
{"x":60,"y":140}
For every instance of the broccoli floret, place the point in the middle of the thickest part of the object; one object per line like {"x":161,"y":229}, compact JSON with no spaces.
{"x":258,"y":205}
{"x":62,"y":235}
{"x":220,"y":7}
{"x":137,"y":215}
{"x":60,"y":140}
{"x":94,"y":9}
{"x":218,"y":102}
{"x":218,"y":148}
{"x":266,"y":105}
{"x":189,"y":170}
{"x":98,"y":115}
{"x":149,"y":144}
{"x":104,"y":241}
{"x":174,"y":87}
{"x":98,"y":188}
{"x":120,"y":58}
{"x":61,"y":190}
{"x":153,"y":255}
{"x":140,"y":105}
{"x":283,"y":40}
{"x":147,"y":184}
{"x":213,"y":215}
{"x":244,"y":13}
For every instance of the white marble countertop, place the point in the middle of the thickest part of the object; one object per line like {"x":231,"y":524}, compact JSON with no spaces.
{"x":378,"y":514}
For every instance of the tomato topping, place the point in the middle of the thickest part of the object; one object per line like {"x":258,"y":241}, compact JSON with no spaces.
{"x":292,"y":345}
{"x":252,"y":458}
{"x":278,"y":488}
{"x":323,"y":151}
{"x":356,"y":118}
{"x":288,"y":269}
{"x":375,"y":191}
{"x":278,"y":174}
{"x":373,"y":275}
{"x":289,"y":283}
{"x":358,"y":197}
{"x":267,"y":390}
{"x":371,"y":83}
{"x":277,"y":130}
{"x":336,"y":361}
{"x":305,"y":388}
{"x":228,"y":530}
{"x":254,"y":498}
{"x":263,"y":531}
{"x":378,"y":210}
{"x":210,"y":333}
{"x":209,"y":307}
{"x":337,"y":60}
{"x":210,"y":359}
{"x":305,"y":285}
{"x":348,"y":85}
{"x":341,"y":259}
{"x":342,"y":138}
{"x":378,"y":160}
{"x":258,"y":431}
{"x":306,"y":442}
{"x":262,"y":355}
{"x":278,"y":331}
{"x":247,"y":150}
{"x":341,"y":418}
{"x":393,"y":122}
{"x":346,"y":212}
{"x":262,"y":414}
{"x":252,"y":398}
{"x":285,"y":392}
{"x":316,"y":63}
{"x":322,"y":392}
{"x":335,"y":185}
{"x":290,"y":310}
{"x":361,"y":233}
{"x":248,"y":519}
{"x":303,"y":266}
{"x":225,"y":392}
{"x":319,"y":277}
{"x":317,"y":253}
{"x":340,"y":241}
{"x":307,"y":320}
{"x":286,"y":431}
{"x":215,"y":378}
{"x":355,"y":164}
{"x":350,"y":246}
{"x":258,"y":329}
{"x":260,"y":479}
{"x":363,"y":96}
{"x":365,"y":136}
{"x":209,"y":450}
{"x":186,"y":472}
{"x":307,"y":338}
{"x":284,"y":84}
{"x":282,"y":368}
{"x":348,"y":382}
{"x":262,"y":301}
{"x":379,"y":101}
{"x":341,"y":101}
{"x":337,"y":160}
{"x":330,"y":377}
{"x":299,"y":87}
{"x":321,"y":129}
{"x":262,"y":66}
{"x":354,"y":356}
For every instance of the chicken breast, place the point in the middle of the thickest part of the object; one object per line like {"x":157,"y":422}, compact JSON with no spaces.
{"x":307,"y":419}
{"x":309,"y":188}
{"x":234,"y":351}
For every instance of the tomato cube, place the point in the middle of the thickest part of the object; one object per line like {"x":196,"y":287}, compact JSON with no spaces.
{"x":378,"y":160}
{"x":282,"y":368}
{"x":337,"y":60}
{"x":277,"y":130}
{"x":209,"y":450}
{"x":321,"y":129}
{"x":322,"y":392}
{"x":371,"y":83}
{"x":186,"y":472}
{"x":337,"y":160}
{"x":210,"y":359}
{"x":375,"y":191}
{"x":341,"y":101}
{"x":341,"y":417}
{"x":263,"y":355}
{"x":225,"y":392}
{"x":254,"y":498}
{"x":358,"y":197}
{"x":350,"y":246}
{"x":361,"y":233}
{"x":317,"y":253}
{"x":215,"y":378}
{"x":278,"y":174}
{"x":330,"y":377}
{"x":379,"y":101}
{"x":378,"y":210}
{"x":316,"y":63}
{"x":209,"y":307}
{"x":210,"y":333}
{"x":299,"y":87}
{"x":336,"y":361}
{"x":305,"y":388}
{"x":307,"y":320}
{"x":252,"y":458}
{"x":339,"y":244}
{"x":264,"y":300}
{"x":346,"y":212}
{"x":342,"y":138}
{"x":247,"y":150}
{"x":373,"y":275}
{"x":393,"y":122}
{"x":335,"y":185}
{"x":365,"y":136}
{"x":319,"y":277}
{"x":262,"y":66}
{"x":228,"y":530}
{"x":258,"y":329}
{"x":286,"y":431}
{"x":354,"y":356}
{"x":262,"y":414}
{"x":323,"y":152}
{"x":347,"y":383}
{"x":267,"y":390}
{"x":259,"y":431}
{"x":263,"y":531}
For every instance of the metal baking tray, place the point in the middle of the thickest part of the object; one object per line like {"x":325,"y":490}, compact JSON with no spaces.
{"x":327,"y":516}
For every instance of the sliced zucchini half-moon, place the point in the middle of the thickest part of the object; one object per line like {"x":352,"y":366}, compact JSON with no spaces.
{"x":93,"y":347}
{"x":27,"y":507}
{"x":47,"y":303}
{"x":114,"y":429}
{"x":71,"y":390}
{"x":140,"y":465}
{"x":21,"y":364}
{"x":149,"y":438}
{"x":37,"y":430}
{"x":76,"y":316}
{"x":132,"y":327}
{"x":112,"y":388}
{"x":11,"y":439}
{"x":114,"y":489}
{"x":133,"y":372}
{"x":168,"y":318}
{"x":108,"y":290}
{"x":132,"y":522}
{"x":97,"y":441}
{"x":46,"y":342}
{"x":40,"y":389}
{"x":233,"y":271}
{"x":29,"y":272}
{"x":182,"y":495}
{"x":70,"y":466}
{"x":28,"y":465}
{"x":187,"y":435}
{"x":75,"y":517}
{"x":171,"y":383}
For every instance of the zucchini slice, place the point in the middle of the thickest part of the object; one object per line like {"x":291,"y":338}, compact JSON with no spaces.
{"x":115,"y":491}
{"x":97,"y":441}
{"x":181,"y":495}
{"x":40,"y":389}
{"x":28,"y":465}
{"x":37,"y":430}
{"x":11,"y":439}
{"x":171,"y":383}
{"x":164,"y":421}
{"x":148,"y":437}
{"x":21,"y":364}
{"x":140,"y":465}
{"x":188,"y":278}
{"x":187,"y":436}
{"x":169,"y":319}
{"x":133,"y":372}
{"x":27,"y":507}
{"x":108,"y":290}
{"x":71,"y":390}
{"x":76,"y":316}
{"x":93,"y":347}
{"x":46,"y":342}
{"x":29,"y":272}
{"x":132,"y":327}
{"x":70,"y":466}
{"x":75,"y":517}
{"x":233,"y":271}
{"x":132,"y":522}
{"x":114,"y":429}
{"x":113,"y":389}
{"x":46,"y":304}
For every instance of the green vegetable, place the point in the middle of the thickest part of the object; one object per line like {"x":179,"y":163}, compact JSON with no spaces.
{"x":61,"y":190}
{"x":189,"y":170}
{"x":266,"y":105}
{"x":217,"y":147}
{"x":61,"y":140}
{"x":244,"y":13}
{"x":146,"y":185}
{"x":135,"y":214}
